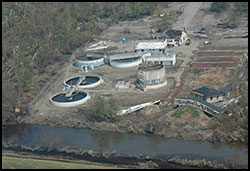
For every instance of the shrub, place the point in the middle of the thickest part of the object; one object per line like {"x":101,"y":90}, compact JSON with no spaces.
{"x":218,"y":7}
{"x":241,"y":7}
{"x":100,"y":110}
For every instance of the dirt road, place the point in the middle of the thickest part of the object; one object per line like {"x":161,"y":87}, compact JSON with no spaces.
{"x":188,"y":13}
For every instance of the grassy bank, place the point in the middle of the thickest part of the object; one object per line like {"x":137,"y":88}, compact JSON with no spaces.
{"x":18,"y":163}
{"x":186,"y":109}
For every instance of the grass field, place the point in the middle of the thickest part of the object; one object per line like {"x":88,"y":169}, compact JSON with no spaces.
{"x":18,"y":163}
{"x":186,"y":109}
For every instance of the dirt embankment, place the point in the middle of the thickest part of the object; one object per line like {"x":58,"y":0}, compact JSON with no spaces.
{"x":108,"y":159}
{"x":151,"y":120}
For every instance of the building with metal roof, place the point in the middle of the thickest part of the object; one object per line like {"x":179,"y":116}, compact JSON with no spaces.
{"x":208,"y":94}
{"x":205,"y":106}
{"x":226,"y":90}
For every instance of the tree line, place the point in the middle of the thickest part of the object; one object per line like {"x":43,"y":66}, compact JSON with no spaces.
{"x":36,"y":36}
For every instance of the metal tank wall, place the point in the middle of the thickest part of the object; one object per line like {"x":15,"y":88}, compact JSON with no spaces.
{"x":90,"y":64}
{"x":128,"y":64}
{"x":100,"y":81}
{"x":69,"y":104}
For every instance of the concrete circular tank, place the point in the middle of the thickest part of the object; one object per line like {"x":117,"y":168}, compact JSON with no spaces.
{"x":77,"y":98}
{"x":152,"y":76}
{"x":88,"y":81}
{"x":125,"y":60}
{"x":89,"y":60}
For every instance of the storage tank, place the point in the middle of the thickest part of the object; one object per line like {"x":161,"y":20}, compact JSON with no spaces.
{"x":125,"y":60}
{"x":152,"y":76}
{"x":89,"y":60}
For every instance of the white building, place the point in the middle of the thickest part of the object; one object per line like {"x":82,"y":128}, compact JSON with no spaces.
{"x":168,"y":59}
{"x":152,"y":47}
{"x":175,"y":37}
{"x":157,"y":51}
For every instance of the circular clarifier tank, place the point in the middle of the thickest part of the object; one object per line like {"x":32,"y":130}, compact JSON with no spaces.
{"x":84,"y":81}
{"x":77,"y":98}
{"x":125,"y":60}
{"x":90,"y":60}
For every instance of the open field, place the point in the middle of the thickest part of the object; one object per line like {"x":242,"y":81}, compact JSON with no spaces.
{"x":19,"y":163}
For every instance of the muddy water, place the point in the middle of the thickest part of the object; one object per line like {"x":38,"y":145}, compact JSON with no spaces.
{"x":124,"y":144}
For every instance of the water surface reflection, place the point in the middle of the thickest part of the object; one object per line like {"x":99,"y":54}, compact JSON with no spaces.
{"x":126,"y":144}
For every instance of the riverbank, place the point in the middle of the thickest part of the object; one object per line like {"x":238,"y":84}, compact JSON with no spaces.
{"x":156,"y":120}
{"x":27,"y":163}
{"x":121,"y":149}
{"x":91,"y":158}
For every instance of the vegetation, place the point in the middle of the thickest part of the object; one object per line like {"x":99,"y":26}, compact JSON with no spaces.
{"x":163,"y":24}
{"x":186,"y":109}
{"x":235,"y":161}
{"x":241,"y":7}
{"x":234,"y":10}
{"x":218,"y":7}
{"x":19,"y":163}
{"x":100,"y":110}
{"x":237,"y":123}
{"x":38,"y":37}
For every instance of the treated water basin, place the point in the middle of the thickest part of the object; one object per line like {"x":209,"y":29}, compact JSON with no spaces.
{"x":126,"y":59}
{"x":124,"y":144}
{"x":88,"y":58}
{"x":88,"y":80}
{"x":61,"y":97}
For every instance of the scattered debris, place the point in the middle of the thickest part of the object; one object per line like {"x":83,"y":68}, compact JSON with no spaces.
{"x":122,"y":84}
{"x":226,"y":25}
{"x":137,"y":107}
{"x":17,"y":110}
{"x":235,"y":100}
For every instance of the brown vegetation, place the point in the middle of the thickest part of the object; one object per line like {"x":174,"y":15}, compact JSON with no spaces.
{"x":39,"y":37}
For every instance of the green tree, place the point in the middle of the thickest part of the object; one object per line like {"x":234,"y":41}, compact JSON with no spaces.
{"x":100,"y":110}
{"x":36,"y":35}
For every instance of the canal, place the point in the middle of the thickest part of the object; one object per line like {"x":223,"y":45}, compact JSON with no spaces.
{"x":124,"y":144}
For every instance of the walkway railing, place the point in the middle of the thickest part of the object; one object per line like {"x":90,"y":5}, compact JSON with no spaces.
{"x":203,"y":105}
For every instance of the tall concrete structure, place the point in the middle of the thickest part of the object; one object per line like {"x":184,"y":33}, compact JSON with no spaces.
{"x":151,"y":76}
